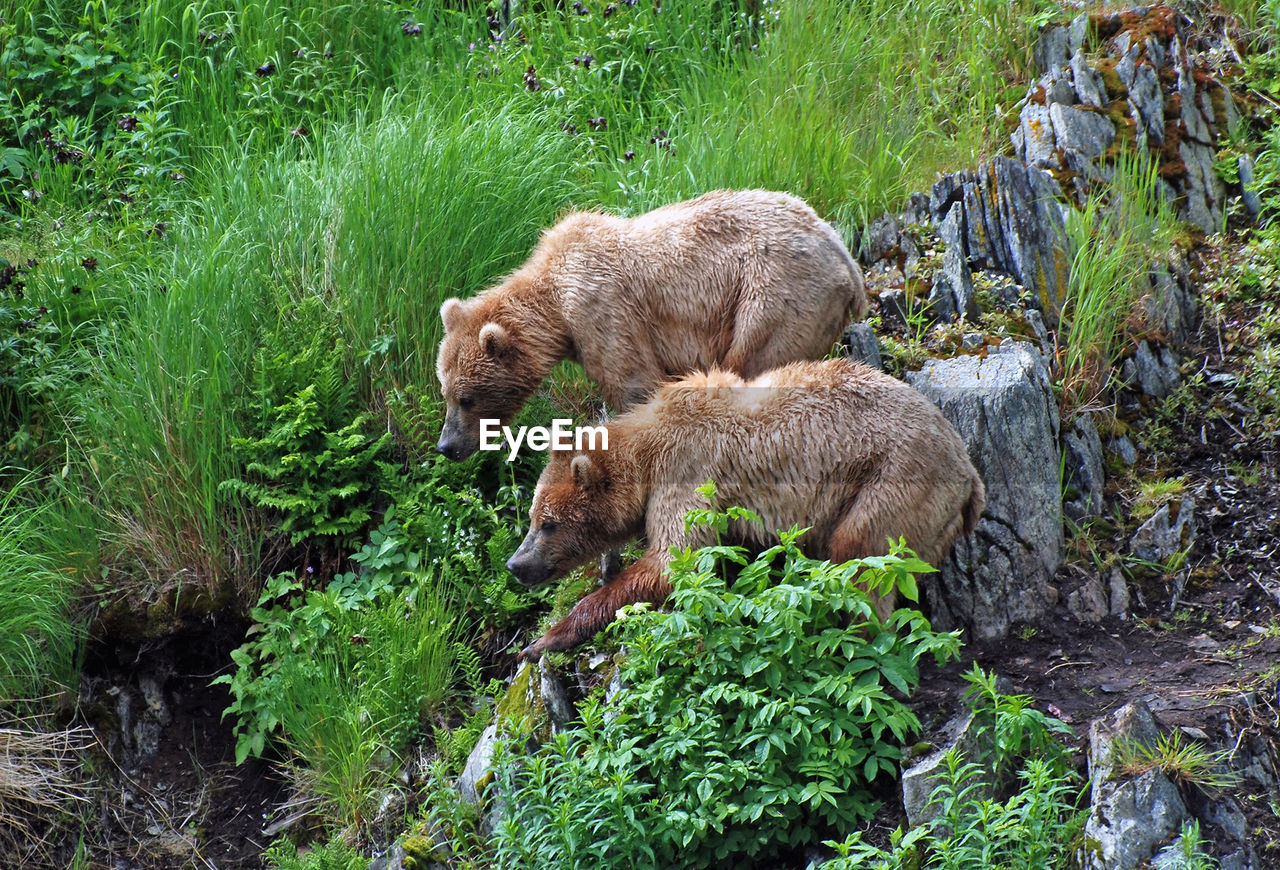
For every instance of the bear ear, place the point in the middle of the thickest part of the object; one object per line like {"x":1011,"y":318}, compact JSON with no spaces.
{"x":451,"y":313}
{"x":586,"y":473}
{"x":494,"y":339}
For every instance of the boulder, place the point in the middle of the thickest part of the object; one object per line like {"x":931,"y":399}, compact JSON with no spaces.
{"x":861,"y":345}
{"x":1172,"y":308}
{"x":1088,"y":84}
{"x":1084,"y":131}
{"x":478,"y":771}
{"x":1128,"y":819}
{"x":924,"y":775}
{"x":1152,"y":370}
{"x":1003,"y":407}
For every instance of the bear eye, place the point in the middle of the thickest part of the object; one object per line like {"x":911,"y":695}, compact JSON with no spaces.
{"x":548,"y":528}
{"x":466,"y":403}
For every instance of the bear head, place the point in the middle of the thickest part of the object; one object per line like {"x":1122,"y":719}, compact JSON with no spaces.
{"x":585,"y":504}
{"x":484,"y":372}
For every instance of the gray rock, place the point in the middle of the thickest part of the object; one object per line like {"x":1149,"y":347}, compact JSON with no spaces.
{"x":1036,"y":321}
{"x":1082,"y":130}
{"x":942,"y":302}
{"x":1132,"y":723}
{"x":1240,"y":859}
{"x":1078,"y":33}
{"x":1036,"y":145}
{"x":1147,"y":103}
{"x":478,"y":770}
{"x":1163,"y":535}
{"x":1248,"y":190}
{"x":1058,"y":87}
{"x":1011,"y":223}
{"x":1004,"y":409}
{"x":1172,"y":307}
{"x":392,"y":859}
{"x":1088,"y":83}
{"x":1201,"y":186}
{"x":1119,"y":590}
{"x":893,"y":306}
{"x":922,"y":776}
{"x":1083,"y":476}
{"x":1130,"y":820}
{"x":862,"y":345}
{"x":880,"y":240}
{"x":1193,"y":123}
{"x":917,"y":210}
{"x":1051,"y":48}
{"x":952,"y":292}
{"x":951,"y":229}
{"x":1127,"y":58}
{"x":1090,"y":602}
{"x":1152,"y":371}
{"x":1122,"y":448}
{"x":554,"y":697}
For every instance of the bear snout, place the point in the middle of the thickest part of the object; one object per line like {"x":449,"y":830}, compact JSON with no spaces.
{"x":454,"y":443}
{"x":528,"y":565}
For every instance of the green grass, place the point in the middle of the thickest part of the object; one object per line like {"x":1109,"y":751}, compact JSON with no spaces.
{"x":1114,"y":240}
{"x":42,"y":557}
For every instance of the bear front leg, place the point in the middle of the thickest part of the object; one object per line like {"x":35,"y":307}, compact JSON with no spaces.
{"x":645,"y":580}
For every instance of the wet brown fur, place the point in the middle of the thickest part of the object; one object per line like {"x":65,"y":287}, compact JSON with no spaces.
{"x":743,"y":280}
{"x":856,"y":456}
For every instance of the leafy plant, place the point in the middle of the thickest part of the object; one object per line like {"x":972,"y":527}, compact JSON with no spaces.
{"x":315,"y":464}
{"x":986,"y":816}
{"x":332,"y":855}
{"x":753,"y":717}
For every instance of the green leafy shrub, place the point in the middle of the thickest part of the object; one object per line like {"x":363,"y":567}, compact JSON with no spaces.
{"x":1014,"y":806}
{"x":386,"y":628}
{"x":333,"y":855}
{"x":754,"y":717}
{"x":314,"y":463}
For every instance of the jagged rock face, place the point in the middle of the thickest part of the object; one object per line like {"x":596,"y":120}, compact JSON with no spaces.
{"x":1004,"y":409}
{"x":1005,"y":216}
{"x":1111,"y":79}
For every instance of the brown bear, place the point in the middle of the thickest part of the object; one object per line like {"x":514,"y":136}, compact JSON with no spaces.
{"x":856,"y":456}
{"x":741,"y":280}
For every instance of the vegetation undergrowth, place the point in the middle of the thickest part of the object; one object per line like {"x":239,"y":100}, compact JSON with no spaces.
{"x":755,"y":716}
{"x":1114,"y":239}
{"x":1013,"y":804}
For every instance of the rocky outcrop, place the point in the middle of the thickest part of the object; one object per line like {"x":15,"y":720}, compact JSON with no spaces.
{"x":1004,"y":409}
{"x":1118,"y":79}
{"x":1005,"y":216}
